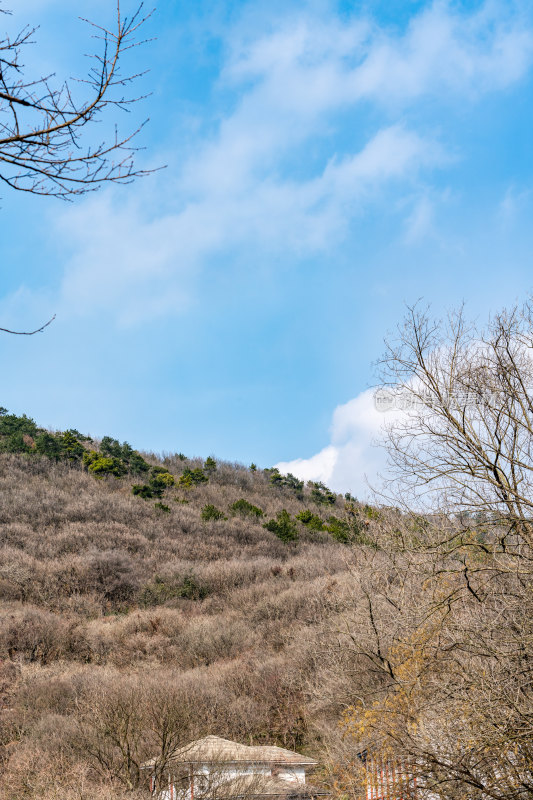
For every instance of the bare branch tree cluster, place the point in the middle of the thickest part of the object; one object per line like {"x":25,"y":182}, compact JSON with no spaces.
{"x":465,"y":442}
{"x":440,"y":618}
{"x":447,"y":674}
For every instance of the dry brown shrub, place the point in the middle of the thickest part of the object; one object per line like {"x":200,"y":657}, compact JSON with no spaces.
{"x":33,"y":634}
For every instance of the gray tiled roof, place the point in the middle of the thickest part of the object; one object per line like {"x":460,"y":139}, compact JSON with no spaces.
{"x":215,"y":749}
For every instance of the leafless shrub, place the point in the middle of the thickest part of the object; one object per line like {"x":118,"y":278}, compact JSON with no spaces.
{"x":35,"y":635}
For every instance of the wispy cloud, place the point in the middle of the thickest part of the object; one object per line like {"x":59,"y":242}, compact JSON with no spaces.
{"x":321,"y":63}
{"x":294,"y":92}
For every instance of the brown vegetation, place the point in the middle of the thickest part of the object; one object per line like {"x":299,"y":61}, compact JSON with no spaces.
{"x":130,"y":627}
{"x":126,"y":631}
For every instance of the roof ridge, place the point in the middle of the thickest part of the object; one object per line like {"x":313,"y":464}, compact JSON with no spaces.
{"x":214,"y":748}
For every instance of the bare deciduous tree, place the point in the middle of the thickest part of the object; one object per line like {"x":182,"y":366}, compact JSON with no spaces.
{"x":443,"y":611}
{"x":465,"y":442}
{"x":451,"y":689}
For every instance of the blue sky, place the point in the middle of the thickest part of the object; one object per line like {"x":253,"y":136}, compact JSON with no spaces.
{"x":327,"y":162}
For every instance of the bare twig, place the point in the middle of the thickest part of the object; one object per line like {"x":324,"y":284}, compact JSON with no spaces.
{"x":29,"y":333}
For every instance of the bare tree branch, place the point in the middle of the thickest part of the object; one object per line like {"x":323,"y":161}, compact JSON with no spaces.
{"x":43,"y":125}
{"x":42,"y":150}
{"x":29,"y":333}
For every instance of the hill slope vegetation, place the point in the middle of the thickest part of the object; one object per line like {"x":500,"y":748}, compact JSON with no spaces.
{"x":141,"y":596}
{"x":146,"y":602}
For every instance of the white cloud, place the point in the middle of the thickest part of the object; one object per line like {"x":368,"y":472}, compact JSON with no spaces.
{"x":322,"y":63}
{"x":353,"y":459}
{"x":238,"y":190}
{"x":319,"y":467}
{"x":139,"y":268}
{"x":446,"y":51}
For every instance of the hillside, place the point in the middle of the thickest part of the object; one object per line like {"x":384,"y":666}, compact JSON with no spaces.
{"x":148,"y":602}
{"x":141,"y":595}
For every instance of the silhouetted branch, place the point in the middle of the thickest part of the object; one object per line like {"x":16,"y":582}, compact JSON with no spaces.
{"x":29,"y":333}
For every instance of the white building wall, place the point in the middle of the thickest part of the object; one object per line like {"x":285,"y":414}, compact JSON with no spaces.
{"x":294,"y":774}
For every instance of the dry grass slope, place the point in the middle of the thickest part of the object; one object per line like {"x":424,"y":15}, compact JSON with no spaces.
{"x":122,"y":621}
